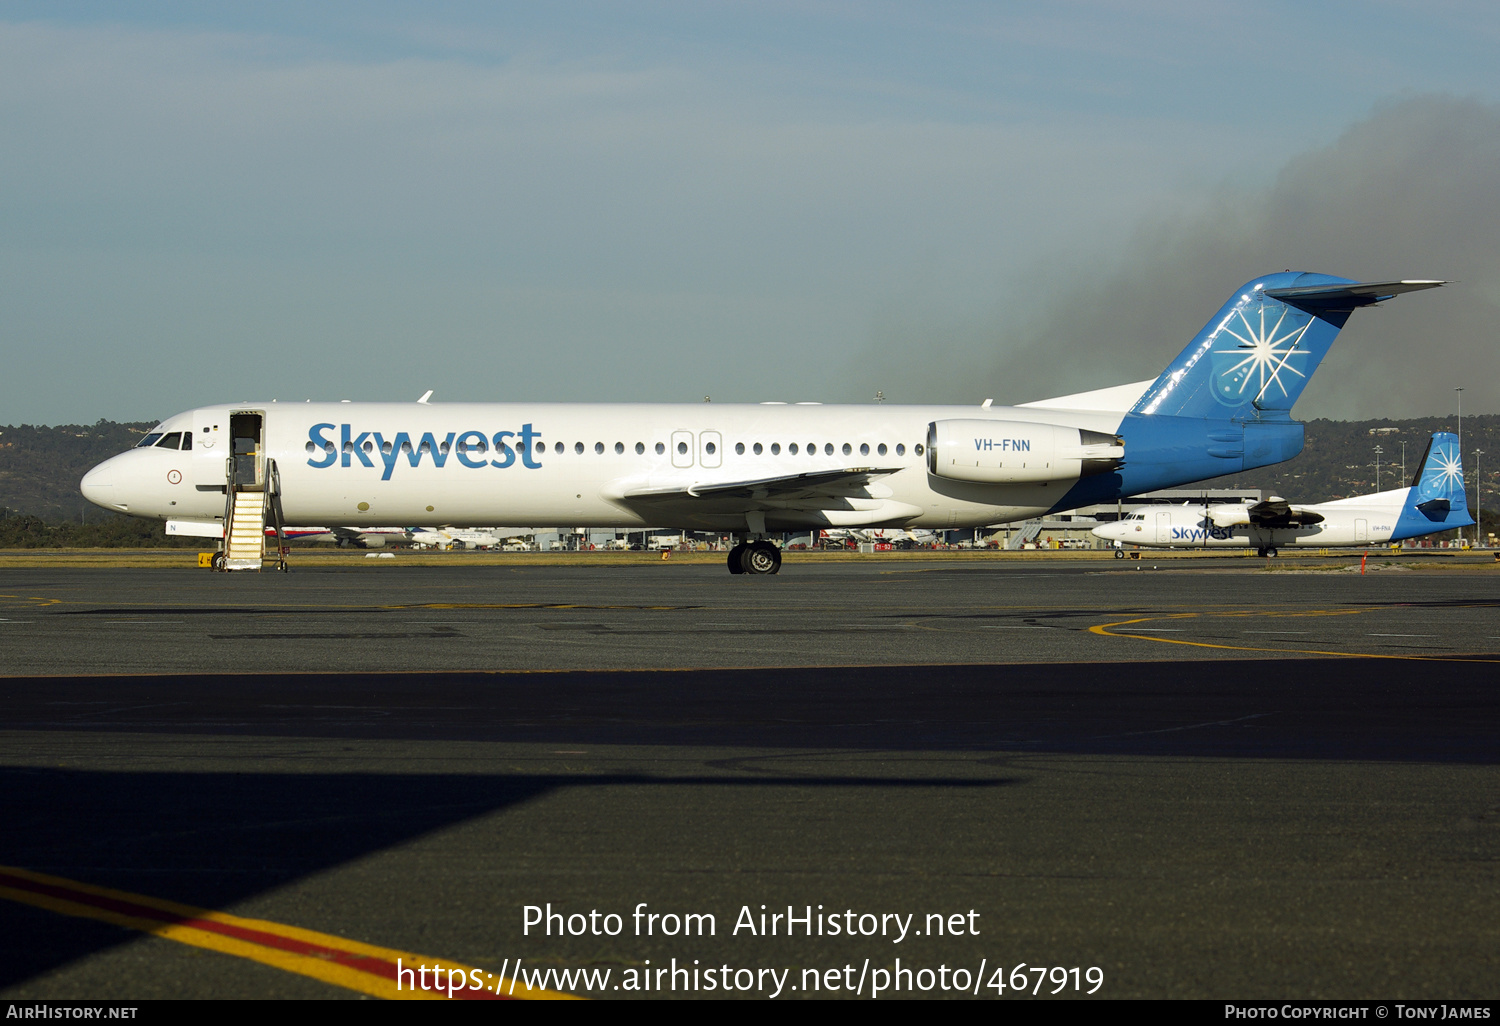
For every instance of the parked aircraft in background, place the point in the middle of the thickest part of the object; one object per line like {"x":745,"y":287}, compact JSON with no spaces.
{"x":464,"y":537}
{"x":895,"y":536}
{"x":1435,"y":501}
{"x":1222,"y":405}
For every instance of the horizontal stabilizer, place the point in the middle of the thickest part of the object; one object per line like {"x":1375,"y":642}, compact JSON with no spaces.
{"x":1347,"y":297}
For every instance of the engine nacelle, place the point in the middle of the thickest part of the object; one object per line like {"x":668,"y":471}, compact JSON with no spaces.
{"x":1015,"y":452}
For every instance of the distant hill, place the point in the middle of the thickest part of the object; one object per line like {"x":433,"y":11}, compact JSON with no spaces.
{"x":40,"y":467}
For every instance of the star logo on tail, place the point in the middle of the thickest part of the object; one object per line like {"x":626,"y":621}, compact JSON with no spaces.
{"x":1256,"y":355}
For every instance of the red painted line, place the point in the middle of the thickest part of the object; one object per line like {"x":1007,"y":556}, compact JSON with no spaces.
{"x":363,"y":963}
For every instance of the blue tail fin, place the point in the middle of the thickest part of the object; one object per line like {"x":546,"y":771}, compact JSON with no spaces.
{"x":1437,"y":493}
{"x":1260,"y":350}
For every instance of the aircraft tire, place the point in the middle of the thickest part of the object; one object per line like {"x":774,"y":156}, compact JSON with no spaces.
{"x":1119,"y":553}
{"x":218,"y":561}
{"x":736,"y":559}
{"x":1271,"y":552}
{"x":761,"y":558}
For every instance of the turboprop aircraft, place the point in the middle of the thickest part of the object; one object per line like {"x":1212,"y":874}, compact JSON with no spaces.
{"x":1434,"y":501}
{"x":1222,"y":405}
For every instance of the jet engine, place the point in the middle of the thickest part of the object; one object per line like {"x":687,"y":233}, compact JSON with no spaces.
{"x":1014,"y":452}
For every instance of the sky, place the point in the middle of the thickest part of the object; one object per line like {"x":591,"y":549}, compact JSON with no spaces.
{"x":945,"y":202}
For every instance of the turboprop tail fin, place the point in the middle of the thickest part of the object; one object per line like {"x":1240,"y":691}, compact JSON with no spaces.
{"x":1437,"y":492}
{"x":1260,"y":350}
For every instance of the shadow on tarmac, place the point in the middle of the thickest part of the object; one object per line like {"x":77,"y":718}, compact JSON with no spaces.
{"x":1425,"y":710}
{"x":215,"y":839}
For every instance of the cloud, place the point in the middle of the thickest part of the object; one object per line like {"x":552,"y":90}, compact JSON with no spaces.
{"x":1413,"y":191}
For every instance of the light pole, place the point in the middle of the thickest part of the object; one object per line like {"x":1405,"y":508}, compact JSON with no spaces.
{"x":1460,"y":392}
{"x":1403,"y":462}
{"x":1378,"y":451}
{"x":1478,"y":502}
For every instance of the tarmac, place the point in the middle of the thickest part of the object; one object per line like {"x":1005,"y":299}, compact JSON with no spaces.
{"x":1209,"y":778}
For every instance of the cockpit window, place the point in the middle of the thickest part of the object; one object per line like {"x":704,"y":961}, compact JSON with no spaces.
{"x":187,"y":440}
{"x":148,"y":441}
{"x":172,"y":440}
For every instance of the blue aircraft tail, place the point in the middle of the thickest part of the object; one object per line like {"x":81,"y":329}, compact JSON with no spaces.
{"x":1224,"y":404}
{"x":1257,"y":354}
{"x":1436,"y":500}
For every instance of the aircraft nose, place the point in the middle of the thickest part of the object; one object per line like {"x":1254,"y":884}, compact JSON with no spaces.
{"x":101,"y":485}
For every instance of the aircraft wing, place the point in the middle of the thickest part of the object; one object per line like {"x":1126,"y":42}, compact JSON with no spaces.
{"x":790,"y":490}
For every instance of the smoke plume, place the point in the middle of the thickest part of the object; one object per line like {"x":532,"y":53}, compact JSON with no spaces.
{"x":1411,"y":192}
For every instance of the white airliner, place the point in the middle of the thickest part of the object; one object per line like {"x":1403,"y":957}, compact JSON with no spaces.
{"x":1223,"y":405}
{"x":464,"y":537}
{"x":1435,"y":501}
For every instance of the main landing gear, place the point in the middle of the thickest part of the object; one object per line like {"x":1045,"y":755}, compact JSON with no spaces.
{"x":757,"y":557}
{"x":1269,"y":551}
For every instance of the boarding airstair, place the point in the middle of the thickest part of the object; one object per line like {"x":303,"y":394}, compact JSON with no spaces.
{"x":252,"y":500}
{"x":1028,"y":532}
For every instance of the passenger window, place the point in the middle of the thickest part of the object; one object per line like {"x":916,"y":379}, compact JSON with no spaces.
{"x":619,"y":448}
{"x":776,"y":449}
{"x":758,"y":449}
{"x":170,"y":441}
{"x":880,"y":448}
{"x":900,"y":449}
{"x":848,"y":449}
{"x":792,"y":449}
{"x":918,"y":449}
{"x":660,"y":448}
{"x":578,"y":448}
{"x":558,"y":448}
{"x":540,"y":446}
{"x":739,"y":448}
{"x":406,"y":446}
{"x":710,"y":448}
{"x":640,"y":448}
{"x":681,"y":448}
{"x":864,"y":448}
{"x":827,"y":448}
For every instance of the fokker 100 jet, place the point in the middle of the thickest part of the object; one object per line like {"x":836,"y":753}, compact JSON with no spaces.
{"x":1222,"y":405}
